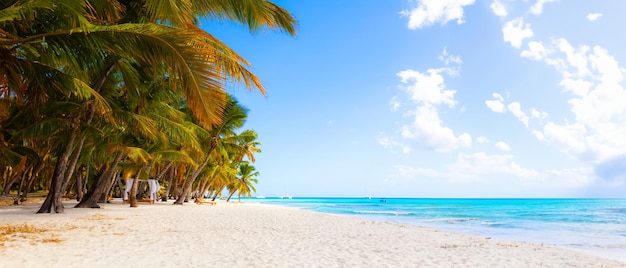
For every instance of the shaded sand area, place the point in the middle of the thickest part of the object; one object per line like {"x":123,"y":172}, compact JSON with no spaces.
{"x":250,"y":235}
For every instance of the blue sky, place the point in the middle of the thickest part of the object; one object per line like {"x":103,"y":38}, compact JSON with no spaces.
{"x":439,"y":98}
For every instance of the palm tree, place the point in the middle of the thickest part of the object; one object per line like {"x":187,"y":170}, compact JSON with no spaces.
{"x":69,"y":54}
{"x":233,"y":118}
{"x":244,"y":184}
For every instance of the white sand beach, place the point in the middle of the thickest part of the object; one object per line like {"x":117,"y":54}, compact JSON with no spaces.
{"x":250,"y":235}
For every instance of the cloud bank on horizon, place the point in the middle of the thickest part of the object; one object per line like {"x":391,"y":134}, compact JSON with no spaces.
{"x":591,"y":130}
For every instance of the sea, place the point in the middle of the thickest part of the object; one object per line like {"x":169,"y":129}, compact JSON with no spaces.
{"x":594,"y":226}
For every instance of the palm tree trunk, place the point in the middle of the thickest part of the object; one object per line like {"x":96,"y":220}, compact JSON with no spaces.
{"x":120,"y":185}
{"x":29,"y":182}
{"x":9,"y":184}
{"x":200,"y":189}
{"x":25,"y":177}
{"x":169,"y":185}
{"x":86,"y":202}
{"x":87,"y":172}
{"x":93,"y":195}
{"x":53,"y":199}
{"x":133,"y":189}
{"x":104,"y":196}
{"x":59,"y":180}
{"x":73,"y":160}
{"x":230,"y":195}
{"x":207,"y":187}
{"x":192,"y":179}
{"x":185,"y":192}
{"x":217,"y":192}
{"x":165,"y":169}
{"x":79,"y":185}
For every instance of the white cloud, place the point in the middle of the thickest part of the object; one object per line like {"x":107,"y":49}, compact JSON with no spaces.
{"x":537,"y":114}
{"x":484,"y":171}
{"x":593,"y":16}
{"x":470,"y":168}
{"x":482,"y":139}
{"x":410,"y":173}
{"x":483,"y":166}
{"x":516,"y":109}
{"x":575,"y":58}
{"x":536,"y":51}
{"x":427,"y":91}
{"x":498,"y":8}
{"x":427,"y":87}
{"x":515,"y":31}
{"x":539,"y":135}
{"x":608,"y":70}
{"x":480,"y":164}
{"x":502,"y":146}
{"x":395,"y":104}
{"x":571,"y":137}
{"x":571,"y":177}
{"x":429,"y":12}
{"x":594,"y":79}
{"x":496,"y":105}
{"x":537,"y":8}
{"x":447,"y":58}
{"x":578,"y":87}
{"x":393,"y":145}
{"x":428,"y":130}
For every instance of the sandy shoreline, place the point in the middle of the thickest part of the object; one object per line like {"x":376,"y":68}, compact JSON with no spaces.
{"x":253,"y":235}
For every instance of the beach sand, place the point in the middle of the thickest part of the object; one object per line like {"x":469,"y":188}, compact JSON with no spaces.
{"x":250,"y":235}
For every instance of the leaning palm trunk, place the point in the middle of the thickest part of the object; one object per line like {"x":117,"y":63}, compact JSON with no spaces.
{"x":107,"y":189}
{"x":60,"y":178}
{"x":9,"y":184}
{"x":194,"y":175}
{"x":92,"y":196}
{"x":73,"y":160}
{"x":133,"y":190}
{"x":169,"y":185}
{"x":53,"y":199}
{"x":79,"y":185}
{"x":206,"y":187}
{"x":230,"y":195}
{"x":29,"y":182}
{"x":162,"y":172}
{"x":187,"y":184}
{"x":217,"y":192}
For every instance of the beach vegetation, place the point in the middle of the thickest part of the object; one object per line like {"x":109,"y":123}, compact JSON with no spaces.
{"x":245,"y":181}
{"x":91,"y":88}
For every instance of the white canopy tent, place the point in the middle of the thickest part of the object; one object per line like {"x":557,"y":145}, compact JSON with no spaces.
{"x":152,"y":183}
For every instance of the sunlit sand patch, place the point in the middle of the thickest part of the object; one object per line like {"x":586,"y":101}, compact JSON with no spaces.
{"x":100,"y":217}
{"x":10,"y":234}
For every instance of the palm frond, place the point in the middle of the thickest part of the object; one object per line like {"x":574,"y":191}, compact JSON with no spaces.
{"x":177,"y":132}
{"x":255,"y":14}
{"x":138,"y":124}
{"x":174,"y":155}
{"x":135,"y":154}
{"x":170,"y":11}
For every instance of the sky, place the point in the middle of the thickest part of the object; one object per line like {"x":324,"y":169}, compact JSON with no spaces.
{"x":439,"y":98}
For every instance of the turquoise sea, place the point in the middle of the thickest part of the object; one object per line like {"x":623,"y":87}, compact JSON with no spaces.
{"x":595,"y":226}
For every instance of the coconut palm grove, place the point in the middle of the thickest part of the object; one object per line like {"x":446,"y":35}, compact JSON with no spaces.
{"x":96,"y":92}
